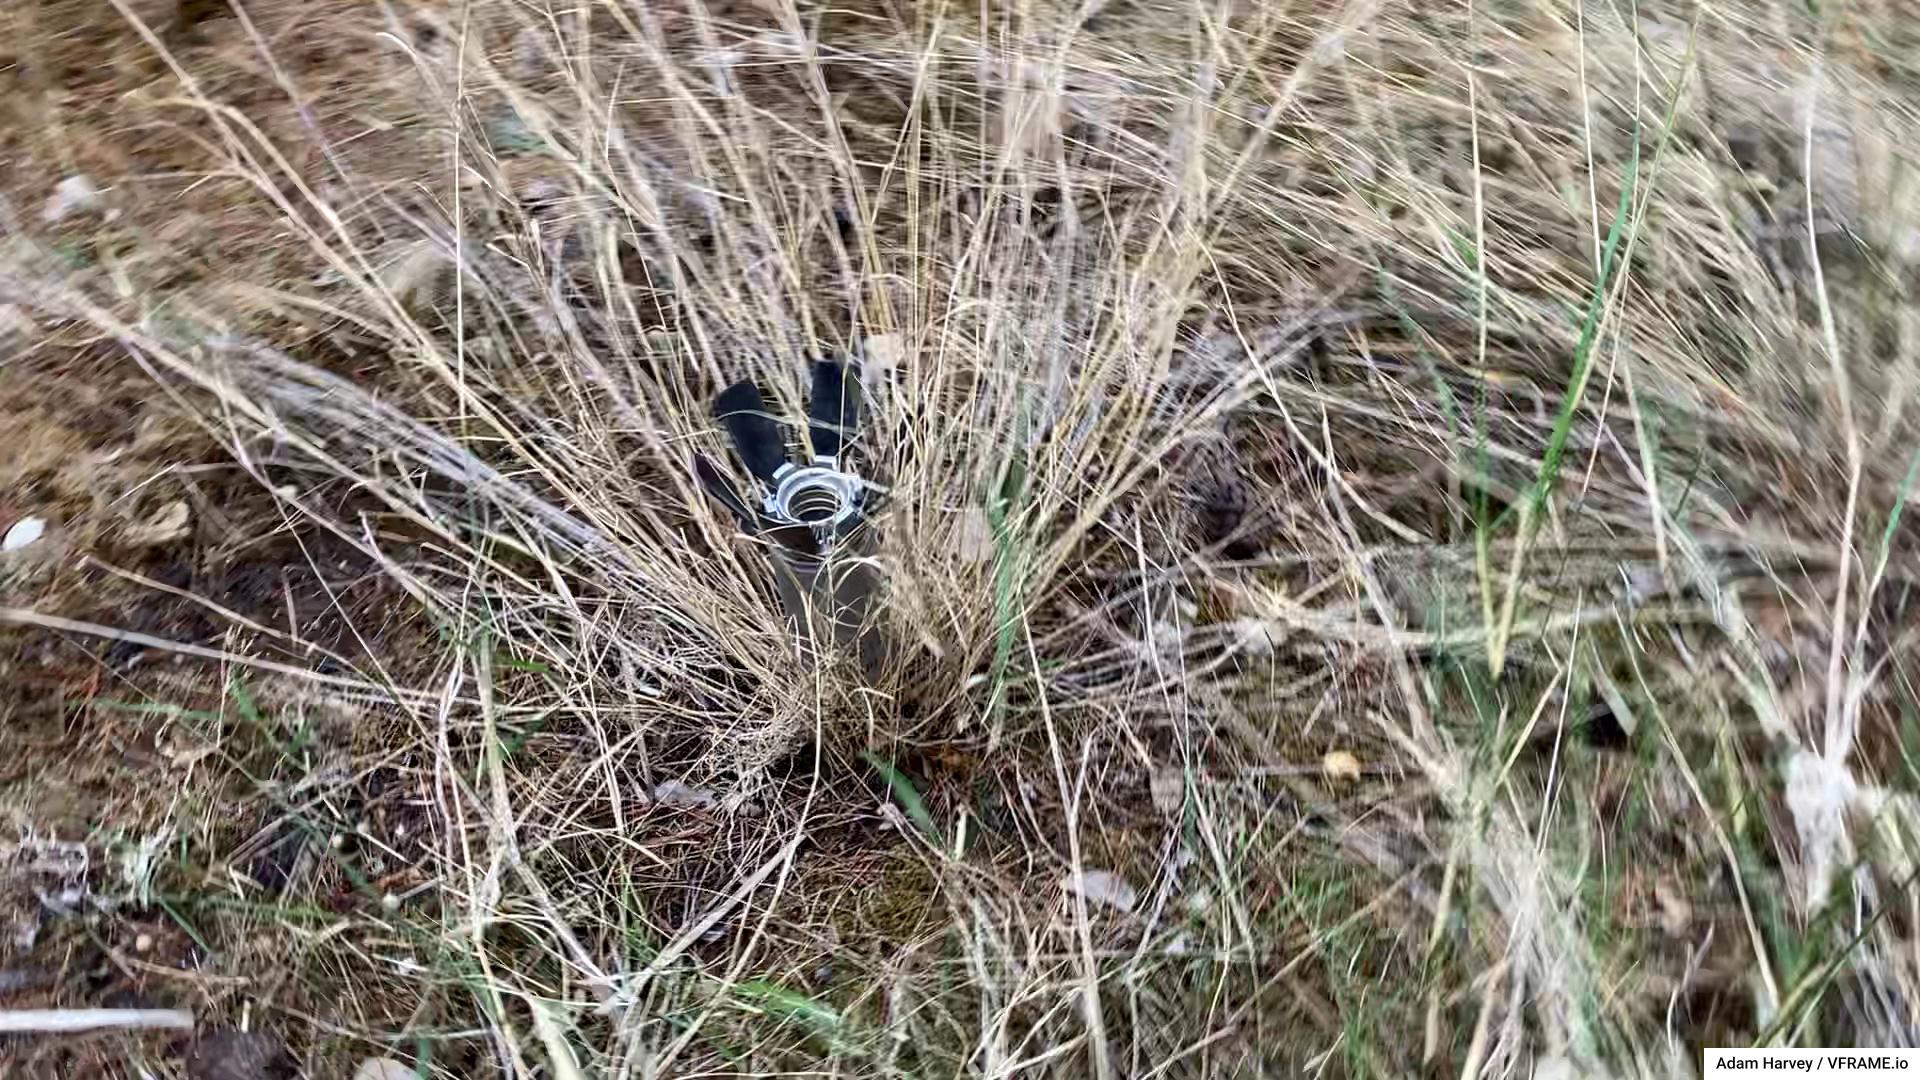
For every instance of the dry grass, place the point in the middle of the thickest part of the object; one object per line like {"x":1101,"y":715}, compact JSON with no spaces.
{"x":1510,"y":401}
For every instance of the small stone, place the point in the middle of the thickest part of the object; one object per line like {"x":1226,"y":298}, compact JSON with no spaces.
{"x":390,"y":902}
{"x":1553,"y":1067}
{"x":77,"y":193}
{"x":1102,"y":887}
{"x":24,"y":533}
{"x":681,"y":796}
{"x":143,"y":943}
{"x":1340,"y":766}
{"x":384,"y":1069}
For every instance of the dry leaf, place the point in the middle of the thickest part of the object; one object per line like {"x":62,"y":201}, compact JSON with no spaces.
{"x":973,"y":537}
{"x":684,"y":797}
{"x":1339,"y":765}
{"x":1102,"y":887}
{"x":882,"y":352}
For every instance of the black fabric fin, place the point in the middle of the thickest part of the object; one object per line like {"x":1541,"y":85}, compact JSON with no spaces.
{"x":833,"y":409}
{"x":756,"y":436}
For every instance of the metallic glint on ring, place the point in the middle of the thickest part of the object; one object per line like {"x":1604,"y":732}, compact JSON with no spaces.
{"x":813,"y":512}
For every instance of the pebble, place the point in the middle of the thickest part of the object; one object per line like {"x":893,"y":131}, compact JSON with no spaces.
{"x":76,"y":193}
{"x":1340,"y":765}
{"x":1102,"y":887}
{"x":384,"y":1069}
{"x":24,"y":533}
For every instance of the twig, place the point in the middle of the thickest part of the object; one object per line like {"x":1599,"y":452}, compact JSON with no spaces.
{"x":66,"y":1021}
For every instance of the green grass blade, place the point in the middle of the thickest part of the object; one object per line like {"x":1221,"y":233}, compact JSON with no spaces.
{"x":906,"y":794}
{"x":1589,"y":334}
